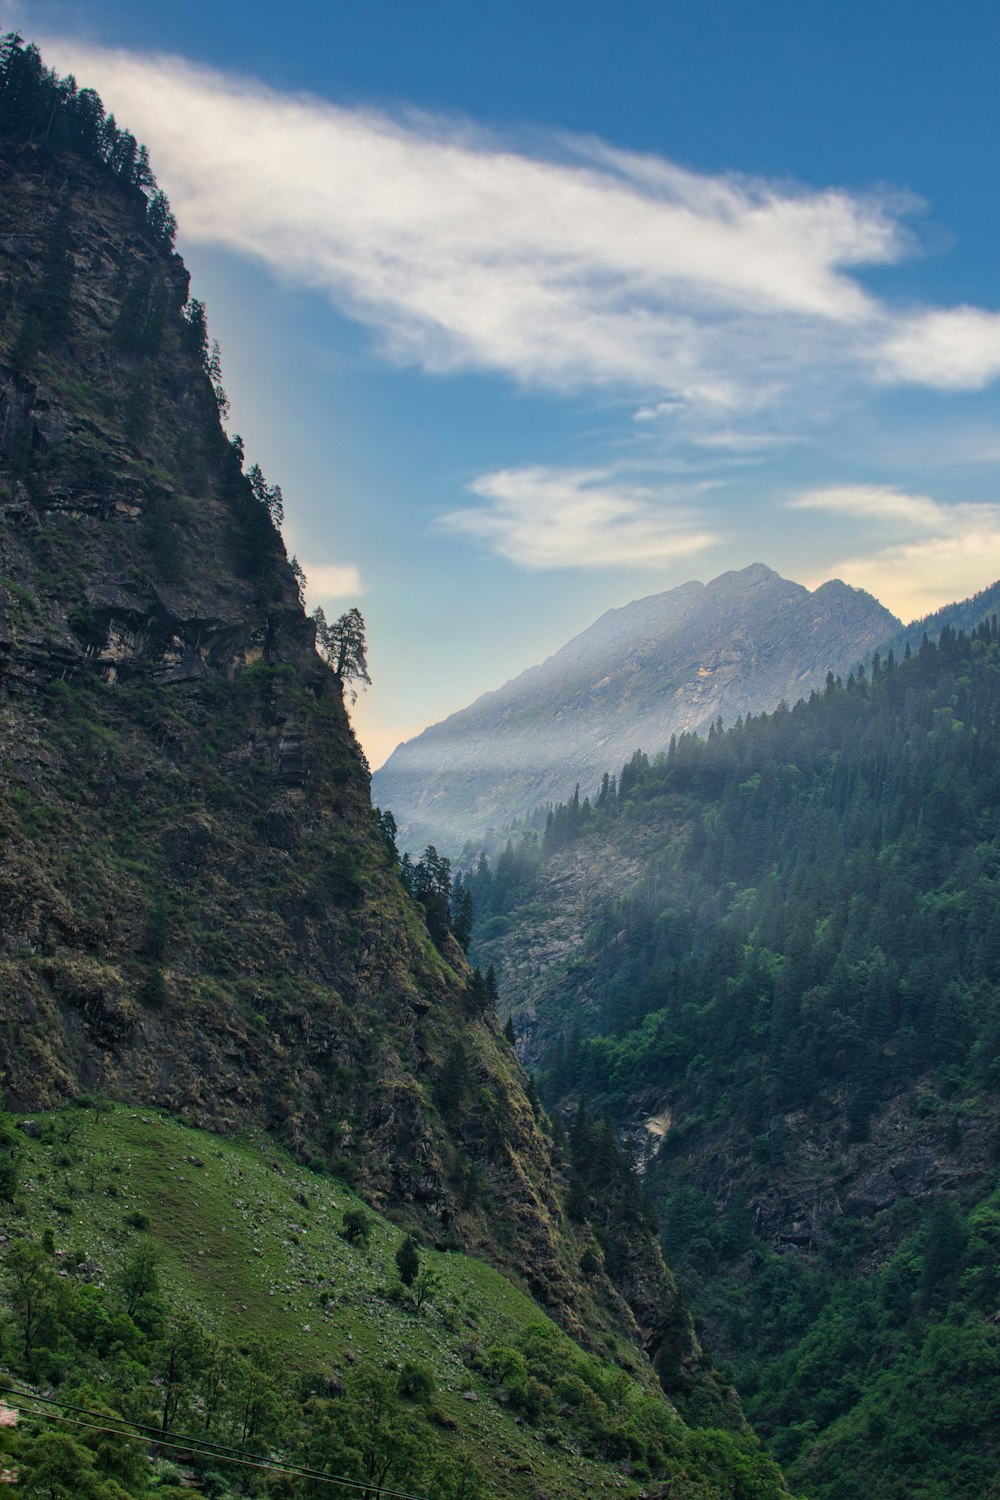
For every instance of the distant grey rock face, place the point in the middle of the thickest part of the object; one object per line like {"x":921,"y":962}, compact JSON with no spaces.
{"x":672,"y":662}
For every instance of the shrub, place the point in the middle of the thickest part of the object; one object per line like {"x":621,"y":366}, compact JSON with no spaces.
{"x":357,"y":1226}
{"x":415,"y":1381}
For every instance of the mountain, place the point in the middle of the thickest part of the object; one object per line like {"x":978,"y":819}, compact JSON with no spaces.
{"x":671,"y":663}
{"x":772,"y":958}
{"x":241,"y":1073}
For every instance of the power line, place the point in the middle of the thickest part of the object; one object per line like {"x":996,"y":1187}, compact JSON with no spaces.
{"x":274,"y":1466}
{"x":196,"y":1445}
{"x":156,"y":1434}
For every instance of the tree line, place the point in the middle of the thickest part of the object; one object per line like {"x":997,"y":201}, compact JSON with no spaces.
{"x":38,"y":106}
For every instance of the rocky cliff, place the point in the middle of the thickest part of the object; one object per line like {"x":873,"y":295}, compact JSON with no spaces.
{"x":670,"y":663}
{"x":196,"y":908}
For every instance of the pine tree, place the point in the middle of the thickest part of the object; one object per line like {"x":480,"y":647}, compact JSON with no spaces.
{"x":431,"y":886}
{"x":943,"y":1254}
{"x":476,"y":998}
{"x":454,"y":1074}
{"x":342,"y":644}
{"x":461,"y":914}
{"x":408,"y":1261}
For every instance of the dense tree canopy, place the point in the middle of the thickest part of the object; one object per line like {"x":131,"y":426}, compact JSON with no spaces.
{"x":813,"y":933}
{"x":822,"y":901}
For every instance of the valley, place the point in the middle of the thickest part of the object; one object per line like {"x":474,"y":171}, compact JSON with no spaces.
{"x":614,"y":1108}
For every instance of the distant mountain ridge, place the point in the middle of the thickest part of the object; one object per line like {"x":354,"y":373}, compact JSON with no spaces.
{"x":663,"y":664}
{"x":962,"y":614}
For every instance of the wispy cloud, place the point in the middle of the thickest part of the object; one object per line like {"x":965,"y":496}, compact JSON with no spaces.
{"x":665,"y":408}
{"x":569,"y":264}
{"x":946,"y":551}
{"x":875,"y":502}
{"x":740,"y":443}
{"x":543,"y":518}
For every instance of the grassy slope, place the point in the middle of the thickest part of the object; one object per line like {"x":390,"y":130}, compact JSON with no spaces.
{"x":242,"y":1251}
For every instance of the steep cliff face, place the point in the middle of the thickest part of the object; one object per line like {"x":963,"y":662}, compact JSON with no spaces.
{"x":128,"y":541}
{"x":668,"y":664}
{"x":197,"y":909}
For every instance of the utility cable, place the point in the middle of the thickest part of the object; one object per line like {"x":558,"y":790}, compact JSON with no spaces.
{"x":271,"y":1466}
{"x":156,"y":1434}
{"x":191,"y":1446}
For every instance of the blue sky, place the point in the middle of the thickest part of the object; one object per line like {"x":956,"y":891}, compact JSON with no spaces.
{"x":533,"y":309}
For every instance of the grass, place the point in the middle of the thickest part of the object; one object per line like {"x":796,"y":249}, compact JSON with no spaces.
{"x":252,"y":1244}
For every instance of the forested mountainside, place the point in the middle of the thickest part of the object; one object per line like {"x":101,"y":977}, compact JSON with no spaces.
{"x":964,"y":614}
{"x":671,"y":663}
{"x":772,"y":957}
{"x":204,"y":943}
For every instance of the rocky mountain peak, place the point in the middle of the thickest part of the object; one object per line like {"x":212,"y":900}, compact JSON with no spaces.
{"x":668,"y":663}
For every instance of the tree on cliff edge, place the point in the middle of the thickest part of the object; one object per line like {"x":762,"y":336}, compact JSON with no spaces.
{"x":343,"y":645}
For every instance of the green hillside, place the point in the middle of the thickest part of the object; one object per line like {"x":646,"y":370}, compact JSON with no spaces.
{"x":771,"y":956}
{"x":151,"y":1268}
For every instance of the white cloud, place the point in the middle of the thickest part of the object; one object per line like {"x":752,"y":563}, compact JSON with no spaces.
{"x":543,"y":518}
{"x":326,"y":581}
{"x":955,"y":348}
{"x":950,"y":552}
{"x":727,"y":440}
{"x":571,"y":265}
